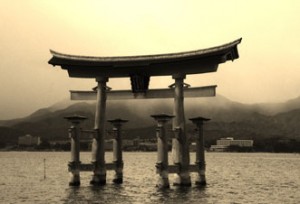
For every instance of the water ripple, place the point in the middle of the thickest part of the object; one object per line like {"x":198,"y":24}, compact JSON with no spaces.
{"x":232,"y":178}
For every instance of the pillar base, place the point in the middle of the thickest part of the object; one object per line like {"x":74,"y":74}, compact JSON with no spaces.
{"x":200,"y":180}
{"x":74,"y":180}
{"x":118,"y":177}
{"x":182,"y":180}
{"x":182,"y":177}
{"x":98,"y":180}
{"x":75,"y":183}
{"x":163,"y":176}
{"x":118,"y":180}
{"x":200,"y":183}
{"x":163,"y":183}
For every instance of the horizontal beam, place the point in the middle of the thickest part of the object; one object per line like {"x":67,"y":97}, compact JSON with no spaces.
{"x":205,"y":91}
{"x":172,"y":169}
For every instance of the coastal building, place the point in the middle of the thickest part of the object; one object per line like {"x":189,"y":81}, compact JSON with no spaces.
{"x":29,"y":140}
{"x":224,"y":144}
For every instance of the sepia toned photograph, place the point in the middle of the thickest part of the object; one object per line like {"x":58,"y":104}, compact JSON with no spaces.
{"x":149,"y":102}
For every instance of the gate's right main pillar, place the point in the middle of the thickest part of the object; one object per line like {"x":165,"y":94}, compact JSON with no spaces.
{"x":180,"y":145}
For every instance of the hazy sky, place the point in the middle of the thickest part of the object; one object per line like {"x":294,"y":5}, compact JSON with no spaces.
{"x":267,"y":70}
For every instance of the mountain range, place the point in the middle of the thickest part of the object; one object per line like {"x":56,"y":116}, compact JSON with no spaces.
{"x":228,"y":118}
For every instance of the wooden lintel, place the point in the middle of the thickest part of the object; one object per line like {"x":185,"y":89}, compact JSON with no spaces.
{"x":205,"y":91}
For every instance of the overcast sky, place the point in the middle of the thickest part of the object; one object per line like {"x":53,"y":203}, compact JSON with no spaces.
{"x":267,"y":70}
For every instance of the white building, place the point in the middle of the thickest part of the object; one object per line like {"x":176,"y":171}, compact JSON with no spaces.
{"x":224,"y":143}
{"x":29,"y":140}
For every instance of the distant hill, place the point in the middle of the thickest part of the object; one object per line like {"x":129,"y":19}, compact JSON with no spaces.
{"x":229,"y":118}
{"x":275,"y":108}
{"x":39,"y":113}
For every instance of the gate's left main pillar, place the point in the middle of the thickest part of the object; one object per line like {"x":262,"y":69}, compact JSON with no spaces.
{"x":98,"y":151}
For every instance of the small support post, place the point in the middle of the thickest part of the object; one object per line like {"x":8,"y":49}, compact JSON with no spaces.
{"x":162,"y":150}
{"x":98,"y":151}
{"x":74,"y":134}
{"x":200,"y":151}
{"x":117,"y":149}
{"x":180,"y":145}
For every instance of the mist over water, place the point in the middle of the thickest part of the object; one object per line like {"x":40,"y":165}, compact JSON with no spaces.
{"x":231,"y":177}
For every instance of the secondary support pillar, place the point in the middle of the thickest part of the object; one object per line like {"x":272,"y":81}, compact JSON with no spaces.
{"x":200,"y":151}
{"x":74,"y":134}
{"x":98,"y":151}
{"x":180,"y":145}
{"x":117,"y":150}
{"x":162,"y":150}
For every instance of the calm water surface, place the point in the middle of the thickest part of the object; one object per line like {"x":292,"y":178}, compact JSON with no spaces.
{"x":231,"y":177}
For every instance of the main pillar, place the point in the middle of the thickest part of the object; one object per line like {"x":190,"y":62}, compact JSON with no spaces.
{"x":200,"y":151}
{"x":117,"y":149}
{"x":98,"y":151}
{"x":180,"y":145}
{"x":74,"y":134}
{"x":162,"y":150}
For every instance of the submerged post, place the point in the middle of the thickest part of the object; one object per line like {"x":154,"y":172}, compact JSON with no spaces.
{"x":74,"y":134}
{"x":180,"y":146}
{"x":117,"y":150}
{"x":200,"y":151}
{"x":98,"y":151}
{"x":162,"y":150}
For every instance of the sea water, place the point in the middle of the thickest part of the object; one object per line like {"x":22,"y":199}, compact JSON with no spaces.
{"x":42,"y":177}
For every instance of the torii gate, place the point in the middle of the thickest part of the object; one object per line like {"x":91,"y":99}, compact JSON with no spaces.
{"x":139,"y":69}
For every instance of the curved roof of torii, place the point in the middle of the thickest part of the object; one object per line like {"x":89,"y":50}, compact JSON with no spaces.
{"x":191,"y":62}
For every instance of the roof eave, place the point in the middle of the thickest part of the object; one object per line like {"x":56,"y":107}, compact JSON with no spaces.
{"x":229,"y":49}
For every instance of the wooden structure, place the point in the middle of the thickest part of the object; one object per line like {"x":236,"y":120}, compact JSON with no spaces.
{"x":74,"y":134}
{"x":200,"y":150}
{"x":140,"y":69}
{"x":117,"y":149}
{"x":162,"y":164}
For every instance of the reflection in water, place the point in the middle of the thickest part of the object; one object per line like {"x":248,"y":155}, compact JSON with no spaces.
{"x":119,"y":194}
{"x":267,"y":178}
{"x":97,"y":194}
{"x":183,"y":195}
{"x":73,"y":194}
{"x":179,"y":194}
